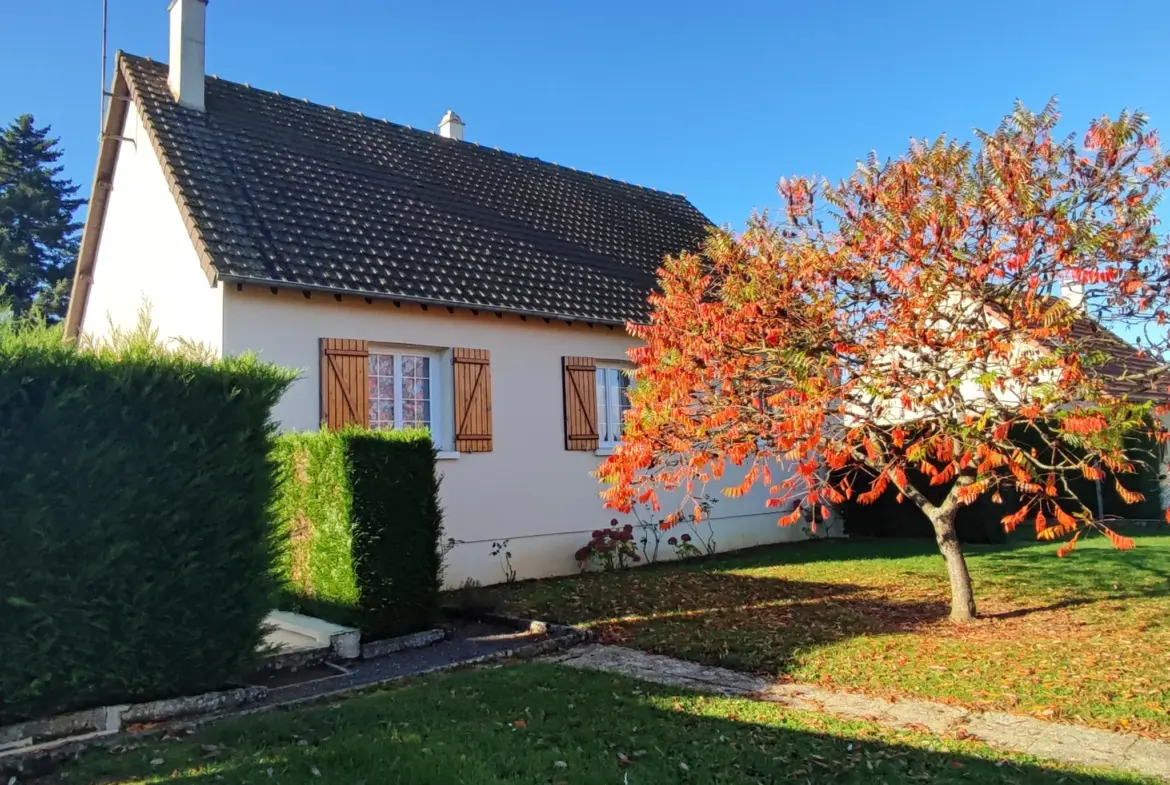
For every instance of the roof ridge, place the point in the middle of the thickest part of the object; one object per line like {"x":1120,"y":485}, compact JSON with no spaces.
{"x":385,"y":121}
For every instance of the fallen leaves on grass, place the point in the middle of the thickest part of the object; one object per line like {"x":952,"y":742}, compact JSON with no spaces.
{"x":1074,"y":645}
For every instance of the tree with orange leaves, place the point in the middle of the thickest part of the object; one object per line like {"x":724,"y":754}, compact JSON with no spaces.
{"x":900,"y":329}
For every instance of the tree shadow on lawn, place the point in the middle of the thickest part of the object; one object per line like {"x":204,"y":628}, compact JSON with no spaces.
{"x":652,"y":592}
{"x":762,"y":622}
{"x":543,"y":723}
{"x":733,"y":619}
{"x":767,"y":638}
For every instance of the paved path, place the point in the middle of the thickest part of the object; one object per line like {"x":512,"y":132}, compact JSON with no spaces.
{"x":1055,"y":741}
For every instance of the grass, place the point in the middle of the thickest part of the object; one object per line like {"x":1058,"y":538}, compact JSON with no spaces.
{"x":1082,"y":639}
{"x":546,"y":724}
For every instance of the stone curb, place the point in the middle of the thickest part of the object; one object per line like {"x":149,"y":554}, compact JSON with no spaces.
{"x":32,"y":735}
{"x":526,"y":651}
{"x":35,"y":739}
{"x":417,"y":640}
{"x":518,"y":622}
{"x":107,"y":726}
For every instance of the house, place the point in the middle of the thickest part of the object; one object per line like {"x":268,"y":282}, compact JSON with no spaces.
{"x":414,"y":277}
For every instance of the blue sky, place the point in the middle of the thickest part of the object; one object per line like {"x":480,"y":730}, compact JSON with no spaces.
{"x":714,"y":100}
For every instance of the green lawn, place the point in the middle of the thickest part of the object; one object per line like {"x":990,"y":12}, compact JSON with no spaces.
{"x":553,"y":725}
{"x":1083,"y":639}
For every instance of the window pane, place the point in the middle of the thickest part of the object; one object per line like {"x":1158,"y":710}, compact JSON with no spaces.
{"x":623,"y":400}
{"x":613,"y":377}
{"x":380,"y":390}
{"x":416,"y":391}
{"x":602,"y":427}
{"x":386,"y":387}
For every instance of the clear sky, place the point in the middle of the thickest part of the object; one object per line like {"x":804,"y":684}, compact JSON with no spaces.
{"x":716,"y":100}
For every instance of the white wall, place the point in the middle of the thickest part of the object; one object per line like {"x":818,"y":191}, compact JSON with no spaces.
{"x":145,"y":254}
{"x":529,"y":489}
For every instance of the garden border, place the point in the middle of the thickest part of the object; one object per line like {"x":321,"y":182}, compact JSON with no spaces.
{"x":30,"y":748}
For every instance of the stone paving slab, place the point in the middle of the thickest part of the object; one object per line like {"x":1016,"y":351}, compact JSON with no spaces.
{"x":1019,"y":733}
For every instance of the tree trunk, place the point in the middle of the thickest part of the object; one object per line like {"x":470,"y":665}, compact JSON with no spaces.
{"x":962,"y":595}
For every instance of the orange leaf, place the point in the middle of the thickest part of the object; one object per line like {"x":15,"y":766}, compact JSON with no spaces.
{"x":1128,"y":496}
{"x":1092,"y":472}
{"x":1067,"y":548}
{"x":790,"y":518}
{"x":944,"y":476}
{"x":1119,"y":542}
{"x":1010,"y":522}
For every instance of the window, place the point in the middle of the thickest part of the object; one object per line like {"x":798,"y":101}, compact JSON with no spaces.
{"x":404,"y":390}
{"x":613,"y":400}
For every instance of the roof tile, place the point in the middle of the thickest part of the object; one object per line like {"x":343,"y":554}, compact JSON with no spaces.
{"x":283,"y":191}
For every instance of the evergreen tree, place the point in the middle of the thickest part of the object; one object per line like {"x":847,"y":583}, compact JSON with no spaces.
{"x":39,"y":238}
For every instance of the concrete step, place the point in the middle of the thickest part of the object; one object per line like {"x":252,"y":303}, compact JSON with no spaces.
{"x":296,"y":632}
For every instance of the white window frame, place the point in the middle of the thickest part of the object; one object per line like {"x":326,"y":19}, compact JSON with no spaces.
{"x":439,"y":396}
{"x":610,"y":423}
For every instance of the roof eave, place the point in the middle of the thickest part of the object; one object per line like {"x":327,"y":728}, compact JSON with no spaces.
{"x":111,"y":141}
{"x":467,"y":306}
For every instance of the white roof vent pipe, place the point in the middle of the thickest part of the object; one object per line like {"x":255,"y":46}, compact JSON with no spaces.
{"x":451,"y":127}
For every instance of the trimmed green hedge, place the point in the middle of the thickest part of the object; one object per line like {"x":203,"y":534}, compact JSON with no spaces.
{"x":982,"y":521}
{"x":887,"y":517}
{"x":135,"y":536}
{"x":361,"y":526}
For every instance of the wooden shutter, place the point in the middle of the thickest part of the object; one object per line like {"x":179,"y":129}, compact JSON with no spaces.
{"x":344,"y":383}
{"x":473,"y":399}
{"x":580,"y":375}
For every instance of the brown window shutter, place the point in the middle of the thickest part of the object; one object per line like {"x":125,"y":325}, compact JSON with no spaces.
{"x":344,"y":383}
{"x":580,"y":374}
{"x":473,"y":399}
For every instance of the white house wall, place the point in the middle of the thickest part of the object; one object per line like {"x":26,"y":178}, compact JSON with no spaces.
{"x":145,"y":255}
{"x":529,"y":489}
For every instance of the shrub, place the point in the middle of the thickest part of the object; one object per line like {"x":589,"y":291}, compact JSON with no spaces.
{"x":136,"y":539}
{"x":361,"y":528}
{"x":612,"y":548}
{"x":683,"y":547}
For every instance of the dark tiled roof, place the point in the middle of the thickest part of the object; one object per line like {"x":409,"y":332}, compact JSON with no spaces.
{"x":284,"y":191}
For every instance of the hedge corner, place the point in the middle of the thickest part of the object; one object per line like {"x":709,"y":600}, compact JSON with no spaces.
{"x":360,"y":528}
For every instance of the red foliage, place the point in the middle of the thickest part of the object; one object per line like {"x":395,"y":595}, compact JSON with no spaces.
{"x":905,"y":318}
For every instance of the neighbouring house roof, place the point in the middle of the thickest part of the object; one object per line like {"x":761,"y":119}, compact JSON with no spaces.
{"x":284,"y":192}
{"x":1121,"y":358}
{"x":1118,"y":358}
